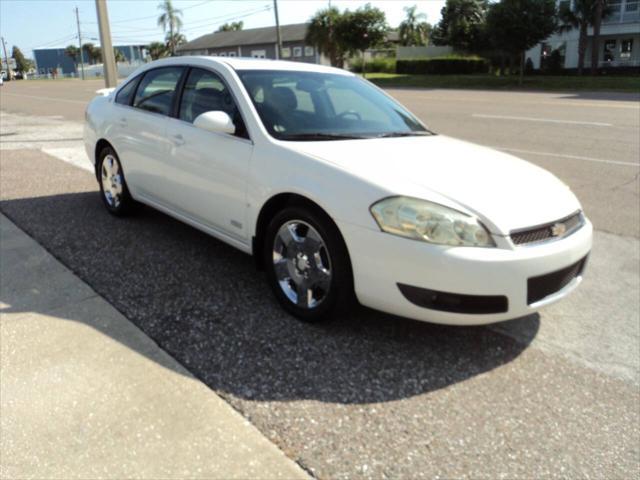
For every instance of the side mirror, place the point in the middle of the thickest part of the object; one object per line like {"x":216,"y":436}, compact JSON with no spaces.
{"x":215,"y":121}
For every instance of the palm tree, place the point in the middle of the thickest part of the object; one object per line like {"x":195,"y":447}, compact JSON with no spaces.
{"x":412,"y":30}
{"x":231,"y":27}
{"x":170,"y":20}
{"x":119,"y":56}
{"x":96,"y":54}
{"x":320,"y":33}
{"x":172,"y":41}
{"x":73,"y":52}
{"x":602,"y":9}
{"x":580,"y":17}
{"x":157,"y":50}
{"x":89,"y":49}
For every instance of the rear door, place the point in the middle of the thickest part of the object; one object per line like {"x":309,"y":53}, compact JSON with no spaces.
{"x":208,"y":171}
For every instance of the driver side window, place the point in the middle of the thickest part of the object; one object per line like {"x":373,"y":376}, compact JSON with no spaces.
{"x":204,"y":92}
{"x":156,"y":90}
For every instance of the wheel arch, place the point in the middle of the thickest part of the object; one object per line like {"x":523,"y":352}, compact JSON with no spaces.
{"x":100,"y":144}
{"x":275,"y":204}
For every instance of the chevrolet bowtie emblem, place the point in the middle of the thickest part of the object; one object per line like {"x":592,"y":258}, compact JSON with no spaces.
{"x":558,"y":229}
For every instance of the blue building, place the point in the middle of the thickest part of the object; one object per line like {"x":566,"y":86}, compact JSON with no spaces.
{"x":48,"y":59}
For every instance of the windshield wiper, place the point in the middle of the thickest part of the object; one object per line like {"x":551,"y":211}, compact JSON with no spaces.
{"x":404,"y":134}
{"x":319,"y":136}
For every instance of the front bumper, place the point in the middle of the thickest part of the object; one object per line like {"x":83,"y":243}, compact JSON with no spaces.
{"x":381,"y":262}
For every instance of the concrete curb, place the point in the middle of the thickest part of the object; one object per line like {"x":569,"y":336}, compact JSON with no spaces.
{"x":86,"y":394}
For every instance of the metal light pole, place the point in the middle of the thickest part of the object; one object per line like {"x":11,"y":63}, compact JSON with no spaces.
{"x":108,"y":57}
{"x":80,"y":43}
{"x":279,"y":39}
{"x":6,"y":59}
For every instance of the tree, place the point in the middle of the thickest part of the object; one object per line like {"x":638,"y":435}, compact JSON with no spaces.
{"x":518,"y":25}
{"x":88,"y":50}
{"x":362,"y":29}
{"x":581,"y":16}
{"x":119,"y":56}
{"x":601,"y":11}
{"x":157,"y":50}
{"x":321,"y":34}
{"x":72,"y":52}
{"x":412,"y":30}
{"x":338,"y":35}
{"x":231,"y":27}
{"x":172,"y":41}
{"x":96,"y":55}
{"x":170,"y":20}
{"x":461,"y":25}
{"x":22,"y":64}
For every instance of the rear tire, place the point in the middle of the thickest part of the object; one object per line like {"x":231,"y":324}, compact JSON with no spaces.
{"x":113,"y":187}
{"x":307,"y":264}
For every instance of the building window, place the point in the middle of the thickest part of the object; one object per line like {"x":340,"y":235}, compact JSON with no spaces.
{"x":286,"y":52}
{"x":609,"y":50}
{"x":297,"y":51}
{"x":308,"y":51}
{"x":626,"y":47}
{"x":232,"y":54}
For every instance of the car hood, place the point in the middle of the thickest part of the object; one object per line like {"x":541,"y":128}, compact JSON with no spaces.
{"x":505,"y":192}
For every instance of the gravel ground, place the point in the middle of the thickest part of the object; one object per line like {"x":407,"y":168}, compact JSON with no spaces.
{"x":366,"y":396}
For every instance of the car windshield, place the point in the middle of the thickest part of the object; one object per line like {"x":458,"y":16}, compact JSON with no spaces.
{"x":308,"y":106}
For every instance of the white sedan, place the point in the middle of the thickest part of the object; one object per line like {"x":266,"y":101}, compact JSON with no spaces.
{"x":338,"y":191}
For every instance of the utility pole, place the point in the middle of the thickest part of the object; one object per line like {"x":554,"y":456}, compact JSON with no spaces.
{"x":6,"y":59}
{"x":279,"y":39}
{"x":80,"y":43}
{"x":108,"y":57}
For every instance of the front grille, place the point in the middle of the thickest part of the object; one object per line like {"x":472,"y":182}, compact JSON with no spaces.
{"x":558,"y":229}
{"x":545,"y":285}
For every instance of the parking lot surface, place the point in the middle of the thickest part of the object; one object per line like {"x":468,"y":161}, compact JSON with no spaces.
{"x":370,"y":395}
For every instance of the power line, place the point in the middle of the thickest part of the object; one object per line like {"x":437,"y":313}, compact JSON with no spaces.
{"x":192,"y":26}
{"x":154,"y":16}
{"x":203,"y":22}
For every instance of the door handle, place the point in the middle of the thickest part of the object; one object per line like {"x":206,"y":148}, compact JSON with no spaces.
{"x":178,"y":140}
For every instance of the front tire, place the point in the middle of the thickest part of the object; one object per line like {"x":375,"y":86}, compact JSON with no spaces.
{"x":113,"y":187}
{"x":307,"y":264}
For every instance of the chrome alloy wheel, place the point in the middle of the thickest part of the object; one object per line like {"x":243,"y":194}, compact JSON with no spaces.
{"x":112,"y":181}
{"x":301,"y":263}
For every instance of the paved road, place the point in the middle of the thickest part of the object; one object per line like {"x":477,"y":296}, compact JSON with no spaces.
{"x":590,"y":140}
{"x":372,"y":395}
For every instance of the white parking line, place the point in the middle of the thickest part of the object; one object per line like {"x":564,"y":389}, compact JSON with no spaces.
{"x":573,"y":157}
{"x":545,"y":120}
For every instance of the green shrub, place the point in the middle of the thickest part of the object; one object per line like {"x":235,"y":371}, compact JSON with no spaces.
{"x":377,"y":65}
{"x":451,"y":65}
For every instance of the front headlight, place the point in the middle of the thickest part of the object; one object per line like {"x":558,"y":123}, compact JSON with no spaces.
{"x":429,"y":222}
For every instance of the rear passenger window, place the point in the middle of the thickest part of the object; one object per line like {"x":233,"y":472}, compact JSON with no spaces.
{"x":125,"y":93}
{"x":156,"y":90}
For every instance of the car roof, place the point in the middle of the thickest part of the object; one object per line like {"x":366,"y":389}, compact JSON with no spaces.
{"x":245,"y":63}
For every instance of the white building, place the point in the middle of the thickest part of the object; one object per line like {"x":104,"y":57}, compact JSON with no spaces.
{"x":619,"y":44}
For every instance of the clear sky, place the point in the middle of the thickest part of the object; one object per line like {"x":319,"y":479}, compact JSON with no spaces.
{"x":33,"y":24}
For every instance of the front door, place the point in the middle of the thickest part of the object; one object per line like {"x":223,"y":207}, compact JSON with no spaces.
{"x":141,"y":139}
{"x":209,"y":170}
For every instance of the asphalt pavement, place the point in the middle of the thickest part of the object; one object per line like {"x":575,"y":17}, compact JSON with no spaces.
{"x":370,"y":395}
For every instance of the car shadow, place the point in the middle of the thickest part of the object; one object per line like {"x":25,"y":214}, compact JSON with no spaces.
{"x":205,"y":304}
